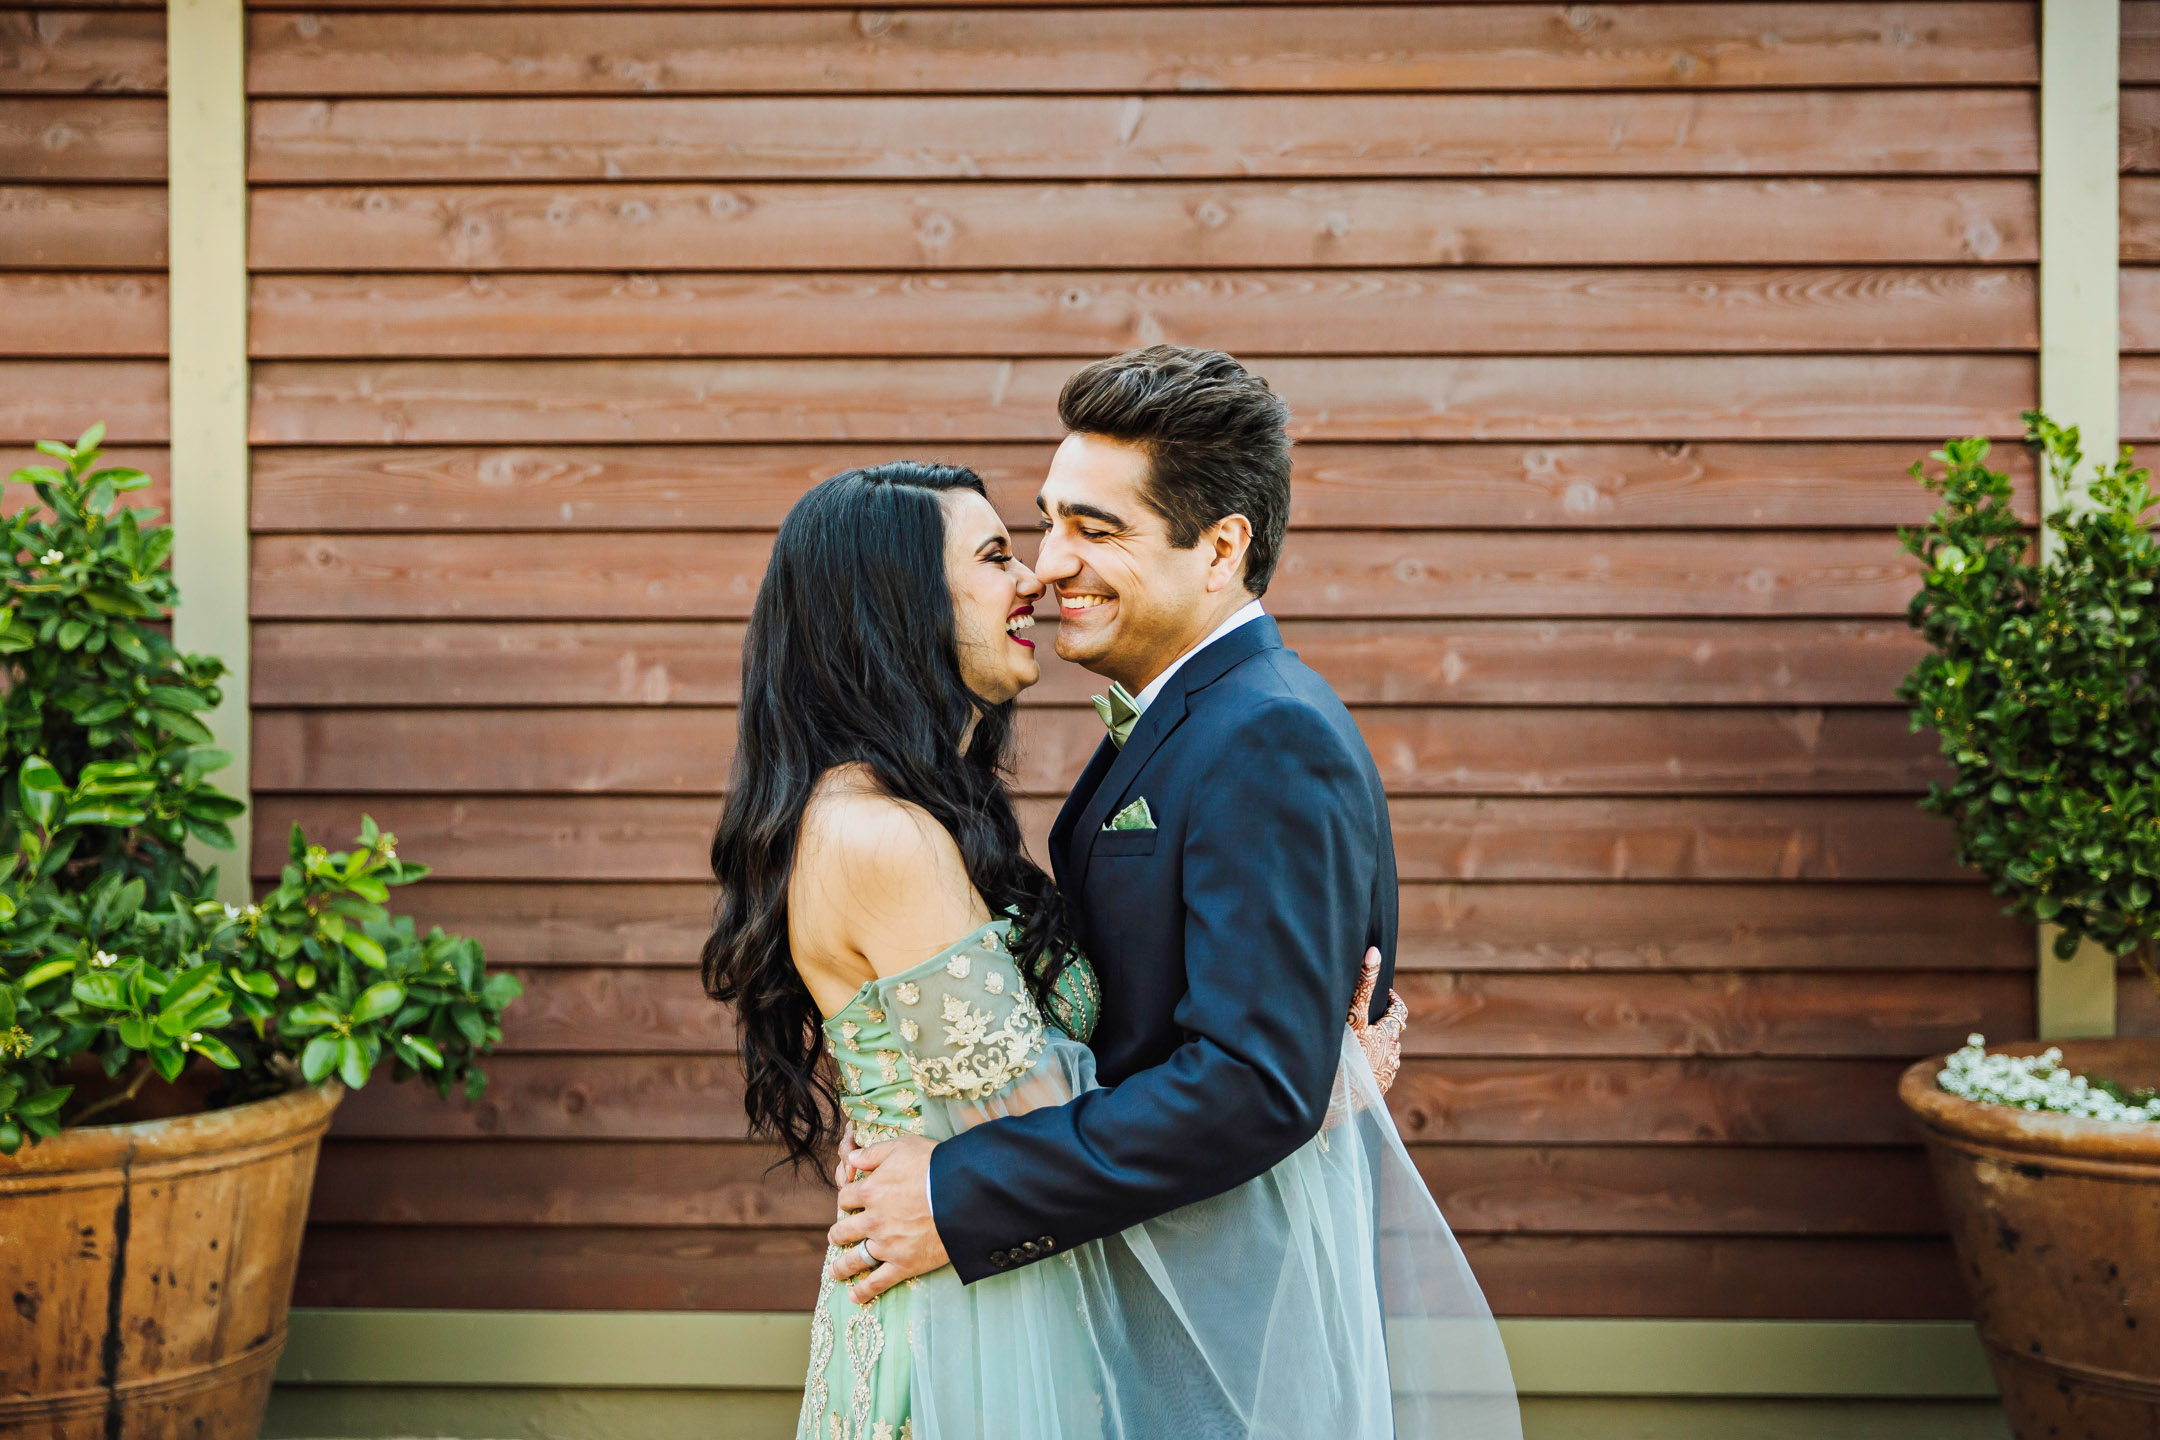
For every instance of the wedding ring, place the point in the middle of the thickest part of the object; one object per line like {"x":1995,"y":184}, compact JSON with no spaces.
{"x":870,"y":1261}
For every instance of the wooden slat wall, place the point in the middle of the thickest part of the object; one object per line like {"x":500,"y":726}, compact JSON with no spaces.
{"x":2137,"y":1007}
{"x":1609,"y":332}
{"x":82,"y":233}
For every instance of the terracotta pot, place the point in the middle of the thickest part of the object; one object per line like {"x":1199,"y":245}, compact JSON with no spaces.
{"x":145,"y":1271}
{"x":2057,"y":1224}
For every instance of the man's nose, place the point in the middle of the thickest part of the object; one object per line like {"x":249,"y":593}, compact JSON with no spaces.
{"x":1055,"y":560}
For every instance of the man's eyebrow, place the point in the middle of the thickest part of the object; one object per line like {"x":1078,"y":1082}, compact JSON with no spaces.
{"x":1073,"y":510}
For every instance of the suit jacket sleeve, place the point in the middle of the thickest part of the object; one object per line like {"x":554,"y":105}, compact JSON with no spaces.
{"x":1278,"y":876}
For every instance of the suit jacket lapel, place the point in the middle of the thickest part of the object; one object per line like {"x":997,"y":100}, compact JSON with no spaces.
{"x":1154,"y":727}
{"x":1061,"y":832}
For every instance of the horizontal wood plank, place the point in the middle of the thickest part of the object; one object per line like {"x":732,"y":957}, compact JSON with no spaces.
{"x":48,"y":399}
{"x":1484,"y":926}
{"x":1512,"y":1102}
{"x":1838,"y":1014}
{"x":581,"y":837}
{"x":82,"y":138}
{"x":1334,"y":486}
{"x":82,"y":227}
{"x":1671,"y":839}
{"x":680,"y":750}
{"x":948,"y":225}
{"x":1482,"y":1189}
{"x":1323,"y":573}
{"x":2140,"y":135}
{"x":929,"y":401}
{"x":1168,"y":50}
{"x":1087,"y":313}
{"x":58,"y":315}
{"x":2141,"y":397}
{"x":69,"y":52}
{"x":1865,"y":132}
{"x":2139,"y":218}
{"x":1782,"y":1279}
{"x":1457,"y":928}
{"x":1845,"y":1013}
{"x":723,"y":1269}
{"x":309,"y":664}
{"x":2140,"y":61}
{"x":2138,"y":311}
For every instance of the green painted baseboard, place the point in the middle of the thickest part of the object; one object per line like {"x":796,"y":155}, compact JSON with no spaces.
{"x":365,"y":1412}
{"x":657,"y":1351}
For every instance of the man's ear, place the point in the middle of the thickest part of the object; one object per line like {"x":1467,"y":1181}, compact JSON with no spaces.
{"x":1227,"y":540}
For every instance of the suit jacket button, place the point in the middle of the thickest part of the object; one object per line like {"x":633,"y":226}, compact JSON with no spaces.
{"x":1030,"y":1249}
{"x":1047,"y":1244}
{"x":999,"y":1259}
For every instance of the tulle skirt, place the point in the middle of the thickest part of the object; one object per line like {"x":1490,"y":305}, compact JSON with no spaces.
{"x":1327,"y":1298}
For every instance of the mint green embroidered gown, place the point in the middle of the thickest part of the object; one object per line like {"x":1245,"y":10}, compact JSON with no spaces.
{"x":1324,"y":1298}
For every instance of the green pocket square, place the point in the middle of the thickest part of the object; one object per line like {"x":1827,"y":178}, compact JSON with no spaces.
{"x":1135,"y":816}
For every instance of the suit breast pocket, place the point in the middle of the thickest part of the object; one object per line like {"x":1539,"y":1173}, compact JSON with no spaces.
{"x":1125,"y":842}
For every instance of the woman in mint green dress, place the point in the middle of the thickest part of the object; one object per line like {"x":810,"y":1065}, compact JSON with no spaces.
{"x":898,"y":966}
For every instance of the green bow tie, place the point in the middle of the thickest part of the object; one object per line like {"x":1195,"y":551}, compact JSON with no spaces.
{"x":1120,"y":712}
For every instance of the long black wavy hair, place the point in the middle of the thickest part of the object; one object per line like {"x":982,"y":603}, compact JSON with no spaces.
{"x":852,"y":658}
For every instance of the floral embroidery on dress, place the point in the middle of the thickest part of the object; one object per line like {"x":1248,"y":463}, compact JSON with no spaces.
{"x":994,"y":983}
{"x":888,"y":1064}
{"x":815,"y":1395}
{"x":984,"y":1060}
{"x":908,"y":993}
{"x":958,"y":967}
{"x":910,"y":1031}
{"x":848,"y":1031}
{"x":865,"y":1342}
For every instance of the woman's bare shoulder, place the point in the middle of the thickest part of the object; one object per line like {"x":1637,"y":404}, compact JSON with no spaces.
{"x":884,"y":879}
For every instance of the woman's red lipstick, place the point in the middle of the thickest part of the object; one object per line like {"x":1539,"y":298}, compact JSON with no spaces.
{"x":1027,"y":610}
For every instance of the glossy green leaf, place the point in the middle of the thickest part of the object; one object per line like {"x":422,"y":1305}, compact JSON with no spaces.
{"x":377,"y":1001}
{"x":319,"y":1058}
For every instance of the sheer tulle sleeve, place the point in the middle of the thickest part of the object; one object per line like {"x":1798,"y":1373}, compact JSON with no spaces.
{"x":977,"y":1041}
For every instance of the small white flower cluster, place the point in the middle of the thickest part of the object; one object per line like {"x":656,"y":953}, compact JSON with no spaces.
{"x":2033,"y":1082}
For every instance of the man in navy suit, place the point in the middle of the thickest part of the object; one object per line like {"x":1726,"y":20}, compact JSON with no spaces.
{"x":1227,"y":852}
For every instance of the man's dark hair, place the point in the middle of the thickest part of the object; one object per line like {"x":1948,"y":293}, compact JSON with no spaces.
{"x":1216,"y":438}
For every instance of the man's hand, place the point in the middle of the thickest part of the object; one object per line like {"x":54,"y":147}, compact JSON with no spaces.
{"x":887,"y":1202}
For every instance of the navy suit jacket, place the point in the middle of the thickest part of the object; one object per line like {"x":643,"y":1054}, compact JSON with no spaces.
{"x":1228,"y":941}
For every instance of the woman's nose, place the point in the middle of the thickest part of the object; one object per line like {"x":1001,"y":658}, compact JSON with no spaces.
{"x":1031,"y":586}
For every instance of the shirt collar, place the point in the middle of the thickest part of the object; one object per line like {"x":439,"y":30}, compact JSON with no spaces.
{"x":1248,"y":613}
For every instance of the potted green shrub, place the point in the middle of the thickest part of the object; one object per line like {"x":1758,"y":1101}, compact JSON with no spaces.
{"x":168,"y":1061}
{"x":2041,"y":681}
